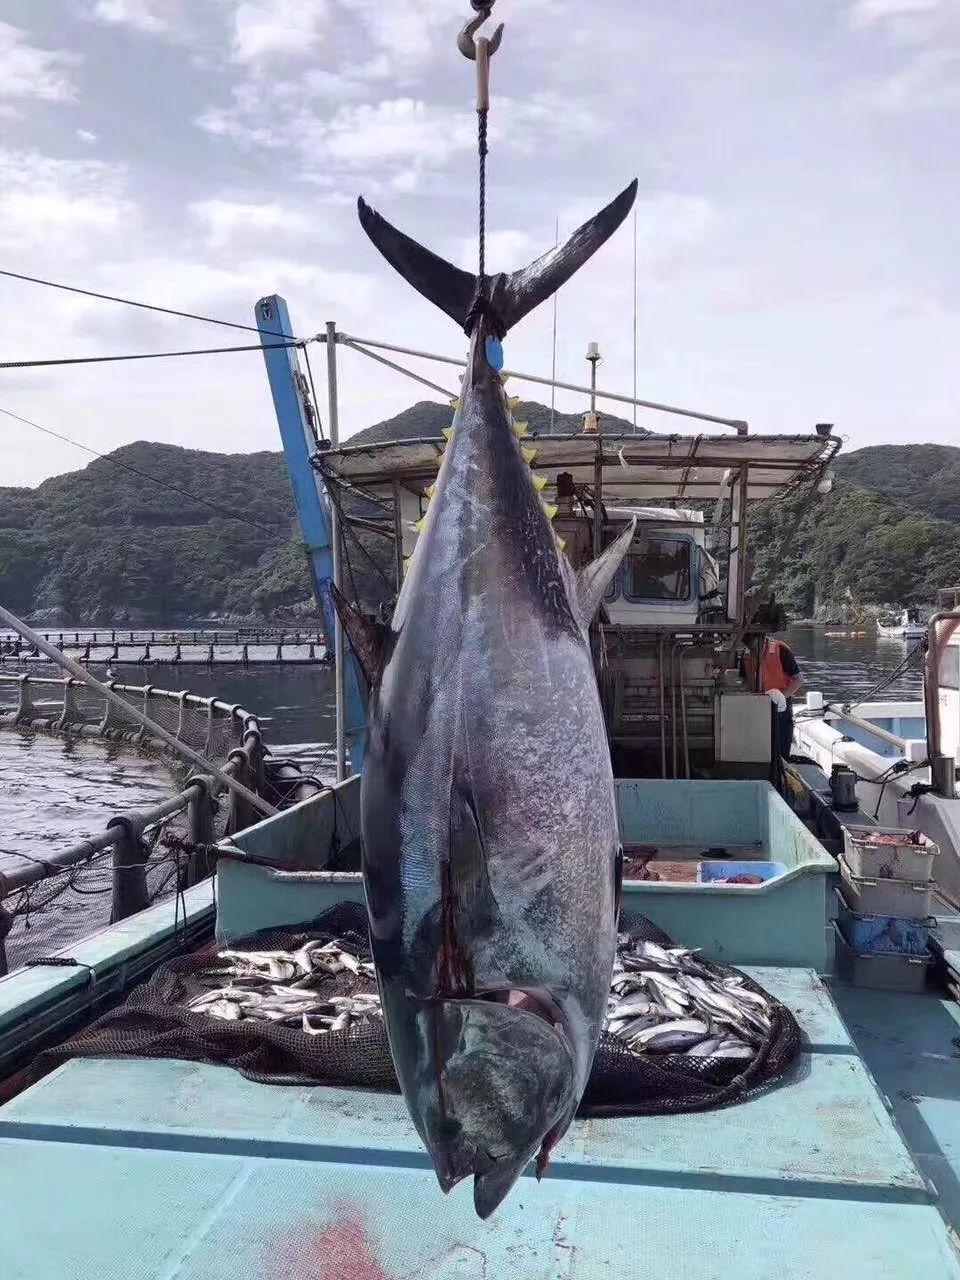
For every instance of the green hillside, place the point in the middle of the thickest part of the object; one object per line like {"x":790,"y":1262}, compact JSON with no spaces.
{"x":888,"y":534}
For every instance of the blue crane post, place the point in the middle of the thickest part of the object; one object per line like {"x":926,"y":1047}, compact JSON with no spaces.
{"x":310,"y":499}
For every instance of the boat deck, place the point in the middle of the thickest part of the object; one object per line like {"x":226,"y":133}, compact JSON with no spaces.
{"x":159,"y":1169}
{"x":911,"y":1045}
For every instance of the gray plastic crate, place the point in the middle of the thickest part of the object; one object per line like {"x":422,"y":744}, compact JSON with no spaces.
{"x":882,"y":972}
{"x":905,"y":898}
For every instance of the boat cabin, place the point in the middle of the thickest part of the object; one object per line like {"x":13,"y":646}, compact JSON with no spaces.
{"x":677,"y":618}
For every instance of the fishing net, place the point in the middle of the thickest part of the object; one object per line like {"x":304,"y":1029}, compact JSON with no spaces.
{"x":154,"y":1022}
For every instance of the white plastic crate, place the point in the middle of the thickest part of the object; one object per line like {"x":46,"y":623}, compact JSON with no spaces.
{"x":889,"y":853}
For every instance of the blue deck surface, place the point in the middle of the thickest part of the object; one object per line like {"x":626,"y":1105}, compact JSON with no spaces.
{"x":142,"y":1170}
{"x":146,"y":1215}
{"x":911,"y":1045}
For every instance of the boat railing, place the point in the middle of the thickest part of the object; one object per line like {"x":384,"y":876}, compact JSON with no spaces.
{"x":221,"y":731}
{"x":942,"y":767}
{"x":182,"y":635}
{"x":868,"y":726}
{"x":246,"y":646}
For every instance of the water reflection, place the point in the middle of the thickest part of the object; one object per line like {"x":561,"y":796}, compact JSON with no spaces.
{"x":845,"y":666}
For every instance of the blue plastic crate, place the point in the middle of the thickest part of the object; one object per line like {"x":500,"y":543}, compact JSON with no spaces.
{"x":710,"y":872}
{"x":883,"y":935}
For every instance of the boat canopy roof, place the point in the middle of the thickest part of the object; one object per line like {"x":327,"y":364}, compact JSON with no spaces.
{"x":634,"y":468}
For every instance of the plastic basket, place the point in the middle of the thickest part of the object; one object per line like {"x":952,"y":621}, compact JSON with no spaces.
{"x":900,"y":854}
{"x":714,"y":872}
{"x":908,"y":899}
{"x":884,"y":935}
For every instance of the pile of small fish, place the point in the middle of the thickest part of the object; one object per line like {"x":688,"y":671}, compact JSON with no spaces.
{"x":666,"y":1001}
{"x":276,"y":986}
{"x":661,"y":1001}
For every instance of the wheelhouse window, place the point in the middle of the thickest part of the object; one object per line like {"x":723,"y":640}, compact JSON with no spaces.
{"x":659,"y":570}
{"x":950,"y":667}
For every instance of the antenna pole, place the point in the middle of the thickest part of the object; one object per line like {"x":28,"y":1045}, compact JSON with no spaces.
{"x":333,"y":426}
{"x":553,"y":372}
{"x":636,"y":304}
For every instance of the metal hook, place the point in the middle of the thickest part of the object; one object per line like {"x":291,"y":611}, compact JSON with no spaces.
{"x":467,"y":43}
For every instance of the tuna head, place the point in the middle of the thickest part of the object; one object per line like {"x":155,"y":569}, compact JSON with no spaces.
{"x":491,"y":1083}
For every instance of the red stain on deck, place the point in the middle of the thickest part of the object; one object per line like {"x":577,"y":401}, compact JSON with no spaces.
{"x":341,"y":1251}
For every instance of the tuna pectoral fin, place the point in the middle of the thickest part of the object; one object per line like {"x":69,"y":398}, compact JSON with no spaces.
{"x":594,"y":578}
{"x":512,"y":296}
{"x":368,"y":638}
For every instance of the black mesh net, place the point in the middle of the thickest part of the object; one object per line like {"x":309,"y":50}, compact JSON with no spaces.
{"x":154,"y":1023}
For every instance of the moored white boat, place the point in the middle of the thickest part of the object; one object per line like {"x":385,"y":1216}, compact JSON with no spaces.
{"x":907,"y":626}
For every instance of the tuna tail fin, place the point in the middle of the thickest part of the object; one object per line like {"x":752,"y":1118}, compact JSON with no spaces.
{"x":449,"y":288}
{"x":511,"y":297}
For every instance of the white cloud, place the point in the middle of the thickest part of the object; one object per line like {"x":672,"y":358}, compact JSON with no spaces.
{"x":866,"y":12}
{"x":928,"y":81}
{"x":925,"y":35}
{"x":87,"y":136}
{"x":389,"y":142}
{"x":270,"y":28}
{"x":52,"y":203}
{"x":416,"y":32}
{"x":27,"y":71}
{"x":409,"y":29}
{"x":393,"y":142}
{"x":145,"y":15}
{"x":508,"y":249}
{"x":226,"y":221}
{"x":404,"y":129}
{"x":670,"y":225}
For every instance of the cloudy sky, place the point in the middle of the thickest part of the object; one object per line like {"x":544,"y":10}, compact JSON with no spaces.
{"x":799,"y":200}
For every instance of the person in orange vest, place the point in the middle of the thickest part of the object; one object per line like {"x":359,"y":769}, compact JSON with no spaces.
{"x":780,"y":678}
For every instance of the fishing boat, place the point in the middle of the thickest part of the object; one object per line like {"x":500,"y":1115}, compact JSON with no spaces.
{"x":164,"y":1166}
{"x":905,"y":626}
{"x":154,"y":1159}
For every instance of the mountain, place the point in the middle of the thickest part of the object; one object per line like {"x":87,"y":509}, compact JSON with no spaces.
{"x":154,"y":533}
{"x":888,"y":534}
{"x":429,"y":418}
{"x":925,"y":477}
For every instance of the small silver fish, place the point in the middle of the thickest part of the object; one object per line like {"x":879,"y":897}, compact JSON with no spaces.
{"x":637,"y":1005}
{"x":667,"y":981}
{"x":226,"y":1010}
{"x":732,"y":1049}
{"x":315,"y":1025}
{"x":671,"y":1035}
{"x":706,"y":1048}
{"x":627,"y":1030}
